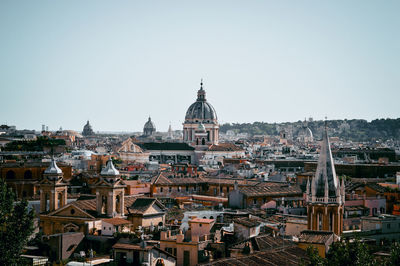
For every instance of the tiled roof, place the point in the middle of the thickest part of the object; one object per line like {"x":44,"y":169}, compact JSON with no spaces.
{"x":249,"y":222}
{"x":290,"y":255}
{"x":224,"y":147}
{"x":116,"y":221}
{"x":377,"y":187}
{"x":271,"y":190}
{"x":90,"y":204}
{"x":316,"y":237}
{"x":140,"y":205}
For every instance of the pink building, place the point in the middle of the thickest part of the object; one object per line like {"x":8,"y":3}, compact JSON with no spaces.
{"x":374,"y":204}
{"x":200,"y":227}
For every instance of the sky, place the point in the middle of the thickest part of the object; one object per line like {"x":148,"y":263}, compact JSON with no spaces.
{"x":117,"y":62}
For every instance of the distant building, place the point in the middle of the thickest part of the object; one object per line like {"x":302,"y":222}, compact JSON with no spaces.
{"x":201,"y":123}
{"x":149,"y":128}
{"x":87,"y":130}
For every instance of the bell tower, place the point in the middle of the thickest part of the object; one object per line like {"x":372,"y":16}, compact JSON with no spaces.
{"x":53,"y":190}
{"x":325,"y":198}
{"x":110,"y":192}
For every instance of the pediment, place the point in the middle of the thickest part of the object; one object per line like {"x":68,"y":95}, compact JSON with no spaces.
{"x":71,"y":210}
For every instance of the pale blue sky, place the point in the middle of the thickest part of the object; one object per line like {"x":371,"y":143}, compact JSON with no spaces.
{"x":116,"y":62}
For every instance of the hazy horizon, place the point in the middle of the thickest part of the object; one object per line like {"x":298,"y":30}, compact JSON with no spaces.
{"x":174,"y":129}
{"x":115,"y":63}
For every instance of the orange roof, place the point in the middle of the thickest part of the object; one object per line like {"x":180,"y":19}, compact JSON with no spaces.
{"x":116,"y":221}
{"x":199,"y":220}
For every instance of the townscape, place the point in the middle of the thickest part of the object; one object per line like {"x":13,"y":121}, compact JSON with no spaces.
{"x":199,"y":196}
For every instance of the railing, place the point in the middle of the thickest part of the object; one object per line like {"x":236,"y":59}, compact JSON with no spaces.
{"x":322,"y":199}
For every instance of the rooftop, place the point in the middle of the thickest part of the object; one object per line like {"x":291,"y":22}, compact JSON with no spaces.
{"x":116,"y":221}
{"x":316,"y":237}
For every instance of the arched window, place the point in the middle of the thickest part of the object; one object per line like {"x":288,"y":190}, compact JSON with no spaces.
{"x":319,"y":221}
{"x":103,"y":204}
{"x":46,"y":202}
{"x":331,"y":221}
{"x":203,"y":142}
{"x":118,"y":204}
{"x":197,"y":141}
{"x":10,"y":174}
{"x":28,"y":174}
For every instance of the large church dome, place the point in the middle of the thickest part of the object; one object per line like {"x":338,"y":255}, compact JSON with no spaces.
{"x":149,"y":128}
{"x":201,"y":110}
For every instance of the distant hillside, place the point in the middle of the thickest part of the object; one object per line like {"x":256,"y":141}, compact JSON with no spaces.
{"x":355,"y":129}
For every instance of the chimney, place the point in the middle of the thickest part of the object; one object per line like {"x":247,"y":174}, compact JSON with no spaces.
{"x":179,"y":238}
{"x":163,"y":235}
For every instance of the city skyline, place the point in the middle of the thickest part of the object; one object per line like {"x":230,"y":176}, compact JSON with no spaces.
{"x":115,"y":65}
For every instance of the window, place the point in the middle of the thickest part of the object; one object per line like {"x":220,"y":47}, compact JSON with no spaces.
{"x":254,"y":201}
{"x":330,"y":221}
{"x":109,"y":228}
{"x":388,"y":226}
{"x":200,"y":225}
{"x":179,"y":189}
{"x":227,"y":189}
{"x":28,"y":174}
{"x":72,"y":211}
{"x":169,"y":189}
{"x":187,"y":188}
{"x":10,"y":174}
{"x":319,"y":217}
{"x":104,"y":228}
{"x":186,"y":258}
{"x":161,"y":189}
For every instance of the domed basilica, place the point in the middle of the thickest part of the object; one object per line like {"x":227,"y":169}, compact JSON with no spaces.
{"x":201,"y":122}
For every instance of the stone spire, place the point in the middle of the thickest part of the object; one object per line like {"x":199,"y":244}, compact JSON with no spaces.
{"x":325,"y":184}
{"x":170,"y":134}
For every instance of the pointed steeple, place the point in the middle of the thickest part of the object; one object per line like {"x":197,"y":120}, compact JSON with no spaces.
{"x":325,"y":181}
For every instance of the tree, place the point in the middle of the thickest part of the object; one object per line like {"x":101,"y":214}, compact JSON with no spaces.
{"x":349,"y":253}
{"x":314,"y":258}
{"x":394,"y":258}
{"x":16,"y":225}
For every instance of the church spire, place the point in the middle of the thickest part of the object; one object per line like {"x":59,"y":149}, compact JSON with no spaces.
{"x":325,"y":182}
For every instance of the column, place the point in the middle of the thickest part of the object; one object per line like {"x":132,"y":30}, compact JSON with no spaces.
{"x":52,"y":201}
{"x":122,"y":203}
{"x":111,"y":204}
{"x":42,"y":201}
{"x":98,"y":202}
